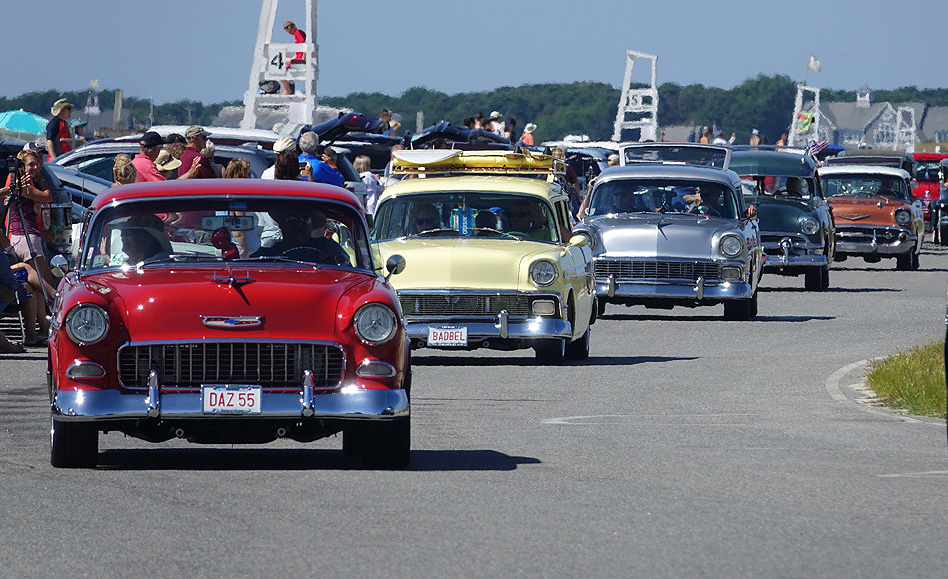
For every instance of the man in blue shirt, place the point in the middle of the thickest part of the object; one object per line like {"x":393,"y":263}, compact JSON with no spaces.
{"x":322,"y":171}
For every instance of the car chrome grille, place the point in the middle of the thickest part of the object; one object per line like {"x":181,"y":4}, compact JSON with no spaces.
{"x":271,"y":365}
{"x":628,"y":269}
{"x":865,"y":234}
{"x":465,"y":304}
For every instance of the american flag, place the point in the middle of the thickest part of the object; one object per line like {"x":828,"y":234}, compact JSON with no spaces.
{"x":815,"y":148}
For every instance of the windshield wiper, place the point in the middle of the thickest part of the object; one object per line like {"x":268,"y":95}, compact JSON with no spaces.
{"x":497,"y":231}
{"x":427,"y":231}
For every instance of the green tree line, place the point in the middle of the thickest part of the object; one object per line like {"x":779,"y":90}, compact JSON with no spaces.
{"x":579,"y":108}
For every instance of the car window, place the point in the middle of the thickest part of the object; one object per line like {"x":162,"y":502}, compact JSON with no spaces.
{"x":99,"y":166}
{"x":798,"y":187}
{"x":466,"y":214}
{"x":865,"y":186}
{"x":176,"y":230}
{"x":622,"y":196}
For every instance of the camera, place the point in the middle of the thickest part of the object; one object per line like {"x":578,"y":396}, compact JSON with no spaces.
{"x":9,"y":163}
{"x":303,"y":165}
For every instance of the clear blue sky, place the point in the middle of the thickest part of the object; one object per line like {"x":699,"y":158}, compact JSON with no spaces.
{"x":202,"y":49}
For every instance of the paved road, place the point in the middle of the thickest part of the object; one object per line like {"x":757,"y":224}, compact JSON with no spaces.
{"x":684,"y":446}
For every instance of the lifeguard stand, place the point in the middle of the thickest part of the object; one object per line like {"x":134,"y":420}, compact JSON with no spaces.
{"x":805,"y":124}
{"x":270,"y":64}
{"x":638,"y":107}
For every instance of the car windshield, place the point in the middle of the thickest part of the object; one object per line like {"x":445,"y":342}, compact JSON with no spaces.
{"x":211,"y":230}
{"x":663,"y":196}
{"x":464,"y":214}
{"x":927,"y":170}
{"x":789,"y":187}
{"x":865,"y":186}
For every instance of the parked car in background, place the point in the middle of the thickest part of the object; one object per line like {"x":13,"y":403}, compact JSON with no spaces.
{"x":796,"y":225}
{"x":875,"y":213}
{"x":97,"y":157}
{"x":670,"y":229}
{"x":492,"y":262}
{"x":939,"y":208}
{"x":930,"y":175}
{"x":299,"y":340}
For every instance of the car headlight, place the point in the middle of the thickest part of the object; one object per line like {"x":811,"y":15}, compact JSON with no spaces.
{"x":903,"y":217}
{"x":375,"y":323}
{"x":809,"y":226}
{"x":543,"y":272}
{"x":732,"y":245}
{"x":87,"y":324}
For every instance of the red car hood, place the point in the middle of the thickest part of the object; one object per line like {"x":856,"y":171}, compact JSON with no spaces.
{"x":173,"y":304}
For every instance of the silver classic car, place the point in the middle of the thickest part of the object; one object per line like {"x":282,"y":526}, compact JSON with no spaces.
{"x":669,"y":228}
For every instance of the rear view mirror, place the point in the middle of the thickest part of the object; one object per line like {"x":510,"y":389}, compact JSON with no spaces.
{"x":231,"y":222}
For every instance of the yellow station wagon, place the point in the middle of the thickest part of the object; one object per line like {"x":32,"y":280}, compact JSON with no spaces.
{"x":490,"y":259}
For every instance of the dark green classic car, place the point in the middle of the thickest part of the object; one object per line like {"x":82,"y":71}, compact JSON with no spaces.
{"x":796,"y":225}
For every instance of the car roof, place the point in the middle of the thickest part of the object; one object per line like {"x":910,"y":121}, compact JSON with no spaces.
{"x":772,"y":163}
{"x":513,"y":185}
{"x":691,"y":172}
{"x":927,"y":156}
{"x":233,"y":188}
{"x":865,"y":170}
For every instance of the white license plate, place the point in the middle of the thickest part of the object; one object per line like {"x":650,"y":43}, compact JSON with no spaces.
{"x":447,"y":336}
{"x":219,"y":399}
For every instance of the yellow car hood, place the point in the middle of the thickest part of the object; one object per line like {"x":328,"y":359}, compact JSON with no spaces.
{"x":466,"y":263}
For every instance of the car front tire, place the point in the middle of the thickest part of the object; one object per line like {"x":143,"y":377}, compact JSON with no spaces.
{"x":741,"y":310}
{"x":550,"y":351}
{"x":73,"y":444}
{"x":579,"y":350}
{"x":387,"y":444}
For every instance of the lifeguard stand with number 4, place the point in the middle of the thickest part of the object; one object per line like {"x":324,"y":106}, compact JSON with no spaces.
{"x":278,"y":64}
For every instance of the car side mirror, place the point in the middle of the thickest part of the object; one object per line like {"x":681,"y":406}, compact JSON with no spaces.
{"x":579,"y":241}
{"x":58,"y":265}
{"x":913,"y":184}
{"x":394,"y":265}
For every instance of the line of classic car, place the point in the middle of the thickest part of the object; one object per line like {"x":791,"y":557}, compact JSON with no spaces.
{"x":245,"y":311}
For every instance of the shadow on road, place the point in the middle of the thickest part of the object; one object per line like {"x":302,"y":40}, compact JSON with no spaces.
{"x":832,"y":290}
{"x":531,"y":361}
{"x":671,"y":318}
{"x":302,"y":459}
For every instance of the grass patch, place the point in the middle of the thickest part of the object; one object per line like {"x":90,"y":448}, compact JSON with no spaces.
{"x":913,"y":381}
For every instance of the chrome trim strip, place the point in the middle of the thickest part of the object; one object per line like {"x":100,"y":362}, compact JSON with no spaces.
{"x":153,"y":401}
{"x":105,"y":405}
{"x":519,"y":330}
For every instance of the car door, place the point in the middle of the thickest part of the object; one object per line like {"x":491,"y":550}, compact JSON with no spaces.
{"x":577,"y":268}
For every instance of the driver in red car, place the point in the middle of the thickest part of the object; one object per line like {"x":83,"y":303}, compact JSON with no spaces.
{"x":304,"y":230}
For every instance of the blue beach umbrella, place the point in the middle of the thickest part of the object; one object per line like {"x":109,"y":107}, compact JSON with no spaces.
{"x":22,"y":123}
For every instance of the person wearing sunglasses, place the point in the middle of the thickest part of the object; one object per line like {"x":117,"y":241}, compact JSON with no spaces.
{"x":304,"y":238}
{"x":423,"y":217}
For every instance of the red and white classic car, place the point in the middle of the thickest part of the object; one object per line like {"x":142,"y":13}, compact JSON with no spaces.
{"x":229,"y":311}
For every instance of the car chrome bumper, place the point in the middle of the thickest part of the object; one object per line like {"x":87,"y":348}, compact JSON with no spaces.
{"x":530,"y":329}
{"x":860,"y":243}
{"x":661,"y":289}
{"x":782,"y":261}
{"x":104,"y":405}
{"x":792,"y":252}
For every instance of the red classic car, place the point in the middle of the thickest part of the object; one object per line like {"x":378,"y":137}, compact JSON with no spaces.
{"x":928,"y":175}
{"x":229,"y":311}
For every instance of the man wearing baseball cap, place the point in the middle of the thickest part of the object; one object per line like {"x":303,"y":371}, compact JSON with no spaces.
{"x":149,"y":147}
{"x":57,"y":129}
{"x":196,"y":137}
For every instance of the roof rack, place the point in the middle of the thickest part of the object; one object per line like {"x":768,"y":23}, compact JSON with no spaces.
{"x":448,"y":162}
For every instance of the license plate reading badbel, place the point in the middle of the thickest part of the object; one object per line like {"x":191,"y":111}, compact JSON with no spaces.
{"x":447,"y":336}
{"x":221,"y":399}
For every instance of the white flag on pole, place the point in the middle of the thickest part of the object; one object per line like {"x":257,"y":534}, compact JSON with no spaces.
{"x":814,"y":64}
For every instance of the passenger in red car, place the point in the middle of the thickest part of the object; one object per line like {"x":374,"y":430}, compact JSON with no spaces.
{"x":305,"y":230}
